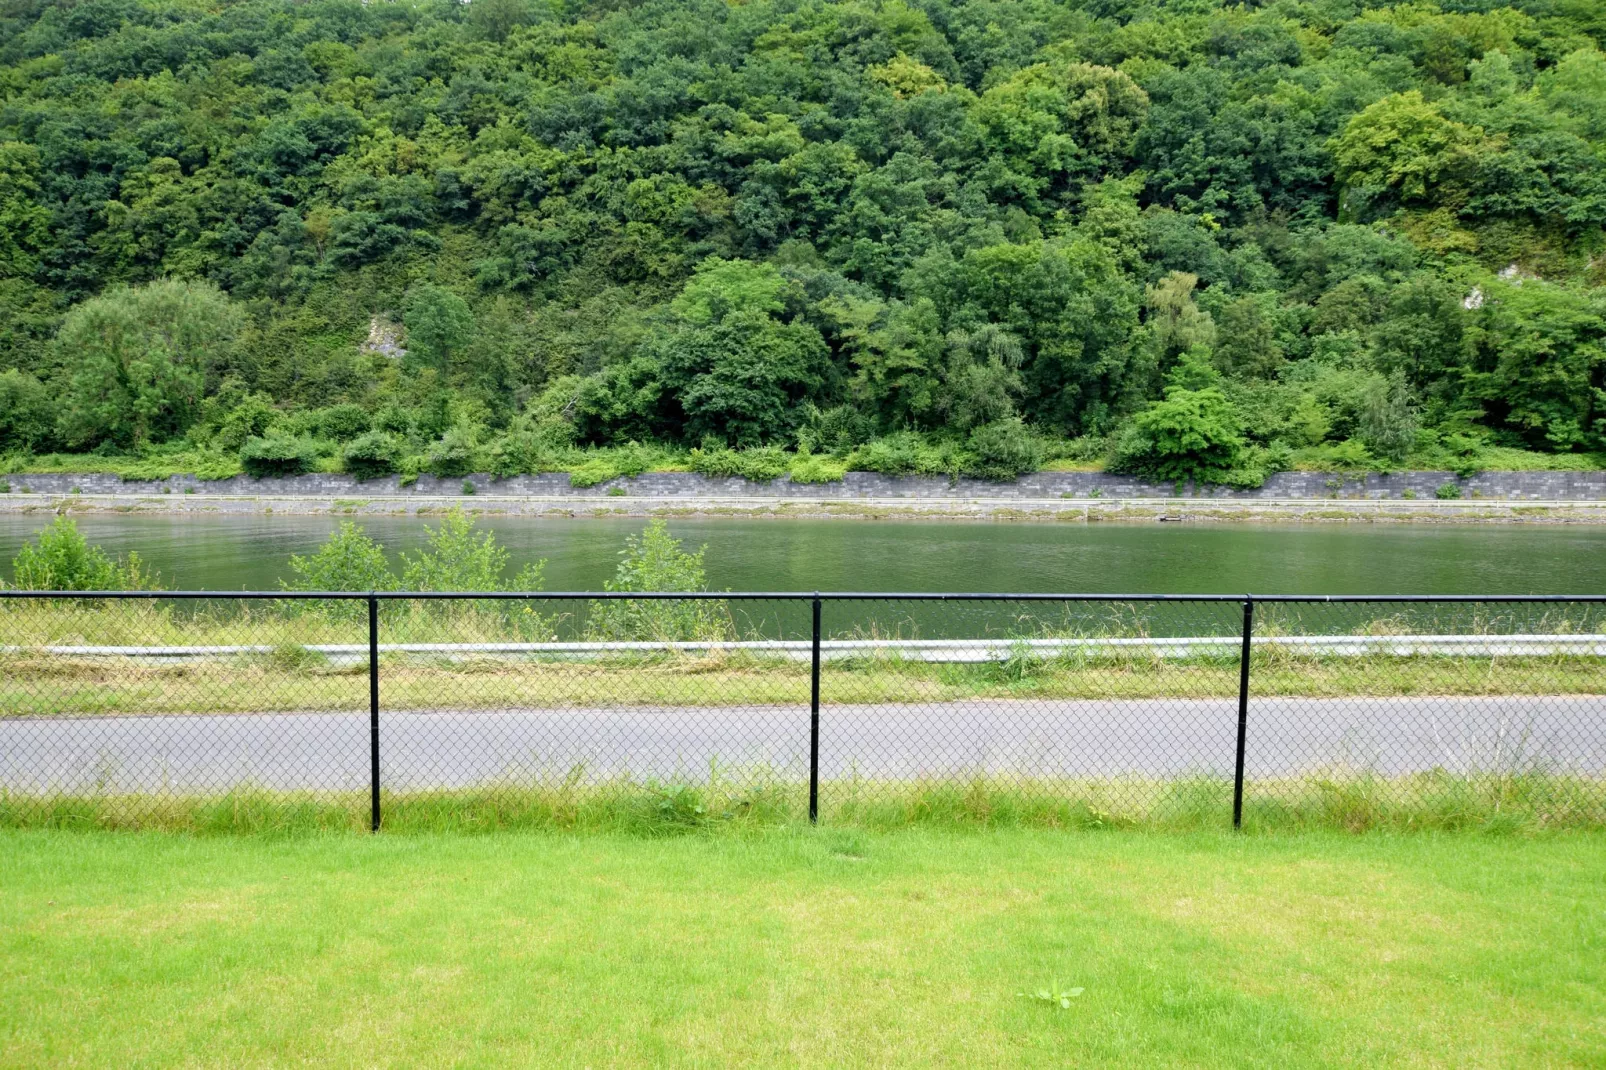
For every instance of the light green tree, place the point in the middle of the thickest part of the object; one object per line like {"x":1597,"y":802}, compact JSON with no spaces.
{"x":439,"y":325}
{"x":139,"y":358}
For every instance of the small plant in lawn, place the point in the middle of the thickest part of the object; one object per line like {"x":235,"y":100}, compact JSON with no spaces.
{"x":1055,"y":996}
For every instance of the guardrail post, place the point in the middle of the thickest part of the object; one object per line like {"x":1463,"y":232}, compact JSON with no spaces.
{"x":373,"y":711}
{"x":1243,"y":714}
{"x":814,"y":720}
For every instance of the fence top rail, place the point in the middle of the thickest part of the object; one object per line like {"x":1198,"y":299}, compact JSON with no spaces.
{"x":824,"y":596}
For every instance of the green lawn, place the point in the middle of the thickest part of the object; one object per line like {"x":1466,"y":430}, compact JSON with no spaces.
{"x":794,"y":947}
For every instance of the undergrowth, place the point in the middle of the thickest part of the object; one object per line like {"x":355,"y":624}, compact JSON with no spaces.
{"x":1350,"y":801}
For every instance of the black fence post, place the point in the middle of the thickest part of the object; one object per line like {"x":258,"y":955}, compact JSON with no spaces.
{"x":814,"y":720}
{"x":373,"y":711}
{"x":1243,"y":714}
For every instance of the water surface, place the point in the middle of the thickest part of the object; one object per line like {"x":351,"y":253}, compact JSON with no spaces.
{"x":252,"y":552}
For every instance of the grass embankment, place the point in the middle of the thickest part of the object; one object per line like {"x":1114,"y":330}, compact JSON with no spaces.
{"x":285,"y":680}
{"x":286,"y":675}
{"x":803,"y":948}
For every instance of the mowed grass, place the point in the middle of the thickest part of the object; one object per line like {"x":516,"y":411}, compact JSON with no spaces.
{"x":803,"y":947}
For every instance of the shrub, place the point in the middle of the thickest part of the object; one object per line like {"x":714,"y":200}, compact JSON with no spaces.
{"x":278,"y":455}
{"x":654,"y":561}
{"x":815,"y":468}
{"x":1447,"y":491}
{"x":60,"y":559}
{"x":835,"y":430}
{"x":28,"y":411}
{"x":591,"y":471}
{"x":469,"y":488}
{"x":342,"y":422}
{"x":376,"y":454}
{"x":761,"y":465}
{"x":454,"y":455}
{"x":458,"y":558}
{"x":1192,"y":434}
{"x":1003,"y":450}
{"x":251,"y":418}
{"x":526,"y":447}
{"x":904,"y":453}
{"x":349,"y":560}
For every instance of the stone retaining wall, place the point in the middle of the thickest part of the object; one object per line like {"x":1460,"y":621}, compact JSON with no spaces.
{"x":1503,"y":486}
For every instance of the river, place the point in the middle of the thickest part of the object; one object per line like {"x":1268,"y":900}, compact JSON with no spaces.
{"x":251,"y":552}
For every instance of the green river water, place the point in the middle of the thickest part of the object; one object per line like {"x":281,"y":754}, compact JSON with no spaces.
{"x":250,"y":552}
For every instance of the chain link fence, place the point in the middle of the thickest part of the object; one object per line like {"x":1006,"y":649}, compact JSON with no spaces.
{"x":662,"y":710}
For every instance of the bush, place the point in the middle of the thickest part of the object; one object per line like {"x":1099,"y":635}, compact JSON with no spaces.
{"x":814,"y":468}
{"x":252,"y":417}
{"x":762,"y":465}
{"x":373,"y":455}
{"x":591,"y":471}
{"x":1192,"y":434}
{"x":454,"y":455}
{"x":1447,"y":491}
{"x":1003,"y":450}
{"x":342,"y":422}
{"x":349,"y":560}
{"x":904,"y":453}
{"x":458,"y":558}
{"x":28,"y":411}
{"x":60,"y":559}
{"x":836,"y":430}
{"x":654,"y":561}
{"x":278,"y":455}
{"x":527,"y":447}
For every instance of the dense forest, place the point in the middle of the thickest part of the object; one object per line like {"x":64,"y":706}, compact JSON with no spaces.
{"x":1184,"y":239}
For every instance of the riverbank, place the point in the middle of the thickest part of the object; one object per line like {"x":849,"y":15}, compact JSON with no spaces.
{"x":855,"y":487}
{"x":1083,"y":510}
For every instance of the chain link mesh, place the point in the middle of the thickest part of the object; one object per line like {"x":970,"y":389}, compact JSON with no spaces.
{"x":234,"y":711}
{"x":1444,"y":711}
{"x":130,"y":710}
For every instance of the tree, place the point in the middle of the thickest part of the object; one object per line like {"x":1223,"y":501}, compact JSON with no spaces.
{"x":439,"y":325}
{"x":1404,"y":146}
{"x":1193,"y":433}
{"x":138,"y":360}
{"x":1388,"y":418}
{"x":739,"y":371}
{"x":28,"y":412}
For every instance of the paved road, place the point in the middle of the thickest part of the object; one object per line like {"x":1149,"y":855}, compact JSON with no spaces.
{"x":1043,"y":738}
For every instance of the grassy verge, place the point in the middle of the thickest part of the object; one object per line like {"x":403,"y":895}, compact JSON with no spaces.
{"x":291,"y":678}
{"x":763,"y":799}
{"x":835,"y":947}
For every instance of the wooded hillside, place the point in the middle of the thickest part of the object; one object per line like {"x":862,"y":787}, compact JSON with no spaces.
{"x":1187,"y":239}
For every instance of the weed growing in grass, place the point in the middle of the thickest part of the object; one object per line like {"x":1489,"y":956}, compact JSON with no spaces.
{"x":1056,"y":996}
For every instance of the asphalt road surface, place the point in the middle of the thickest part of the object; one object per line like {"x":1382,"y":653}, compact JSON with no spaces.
{"x":456,"y":748}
